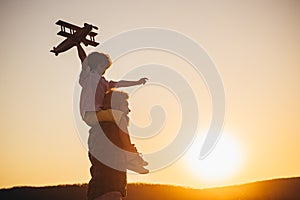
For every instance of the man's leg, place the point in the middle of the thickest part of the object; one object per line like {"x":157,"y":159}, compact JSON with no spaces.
{"x":110,"y":196}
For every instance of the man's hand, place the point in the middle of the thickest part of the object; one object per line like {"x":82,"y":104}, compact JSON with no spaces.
{"x":143,"y":81}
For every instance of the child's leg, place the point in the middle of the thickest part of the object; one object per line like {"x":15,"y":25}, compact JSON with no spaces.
{"x":135,"y":161}
{"x":109,"y":115}
{"x":126,"y":142}
{"x":92,"y":118}
{"x":124,"y":135}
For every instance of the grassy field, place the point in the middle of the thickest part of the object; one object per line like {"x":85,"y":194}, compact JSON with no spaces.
{"x":276,"y":189}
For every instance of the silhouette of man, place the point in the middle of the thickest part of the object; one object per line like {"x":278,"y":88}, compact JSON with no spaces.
{"x":108,"y":183}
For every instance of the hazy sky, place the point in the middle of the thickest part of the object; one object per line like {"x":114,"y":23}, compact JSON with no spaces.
{"x":254,"y":44}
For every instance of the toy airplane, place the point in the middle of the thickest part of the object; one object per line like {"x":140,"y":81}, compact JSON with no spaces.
{"x":75,"y":35}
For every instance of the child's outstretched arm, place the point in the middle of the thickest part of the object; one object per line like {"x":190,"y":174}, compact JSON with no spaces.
{"x":131,"y":83}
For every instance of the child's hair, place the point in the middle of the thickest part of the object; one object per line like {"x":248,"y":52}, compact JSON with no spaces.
{"x":94,"y":59}
{"x":114,"y":98}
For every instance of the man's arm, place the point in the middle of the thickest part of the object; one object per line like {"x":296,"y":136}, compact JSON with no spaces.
{"x":131,"y":83}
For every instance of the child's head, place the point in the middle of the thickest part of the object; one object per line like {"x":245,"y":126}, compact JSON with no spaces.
{"x":99,"y":62}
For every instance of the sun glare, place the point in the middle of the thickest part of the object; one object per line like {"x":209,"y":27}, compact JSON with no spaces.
{"x":221,"y":163}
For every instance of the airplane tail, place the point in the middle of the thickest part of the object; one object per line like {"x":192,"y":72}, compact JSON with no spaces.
{"x":53,"y":50}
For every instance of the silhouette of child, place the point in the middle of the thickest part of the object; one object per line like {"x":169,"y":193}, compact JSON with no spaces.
{"x":94,"y":87}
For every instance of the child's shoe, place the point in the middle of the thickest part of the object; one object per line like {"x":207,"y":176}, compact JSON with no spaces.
{"x":136,"y":163}
{"x":137,"y":160}
{"x":137,"y":168}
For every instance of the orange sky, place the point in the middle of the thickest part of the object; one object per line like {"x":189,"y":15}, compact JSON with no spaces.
{"x":254,"y":45}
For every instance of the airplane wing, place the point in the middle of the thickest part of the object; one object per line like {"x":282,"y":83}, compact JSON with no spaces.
{"x":90,"y":42}
{"x":92,"y":34}
{"x":65,"y":34}
{"x":68,"y":25}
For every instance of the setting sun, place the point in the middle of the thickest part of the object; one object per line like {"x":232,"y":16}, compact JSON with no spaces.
{"x":220,"y":164}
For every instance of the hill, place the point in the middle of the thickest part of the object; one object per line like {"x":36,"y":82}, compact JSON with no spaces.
{"x":277,"y":189}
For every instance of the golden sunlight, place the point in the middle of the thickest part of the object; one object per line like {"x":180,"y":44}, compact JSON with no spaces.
{"x":223,"y":162}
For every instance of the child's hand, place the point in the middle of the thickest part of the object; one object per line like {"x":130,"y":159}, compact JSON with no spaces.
{"x":143,"y":81}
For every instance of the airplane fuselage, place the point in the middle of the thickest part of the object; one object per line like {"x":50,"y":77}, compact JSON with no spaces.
{"x":72,"y":40}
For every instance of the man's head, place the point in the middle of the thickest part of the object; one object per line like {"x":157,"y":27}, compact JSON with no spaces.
{"x":116,"y":100}
{"x":99,"y":62}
